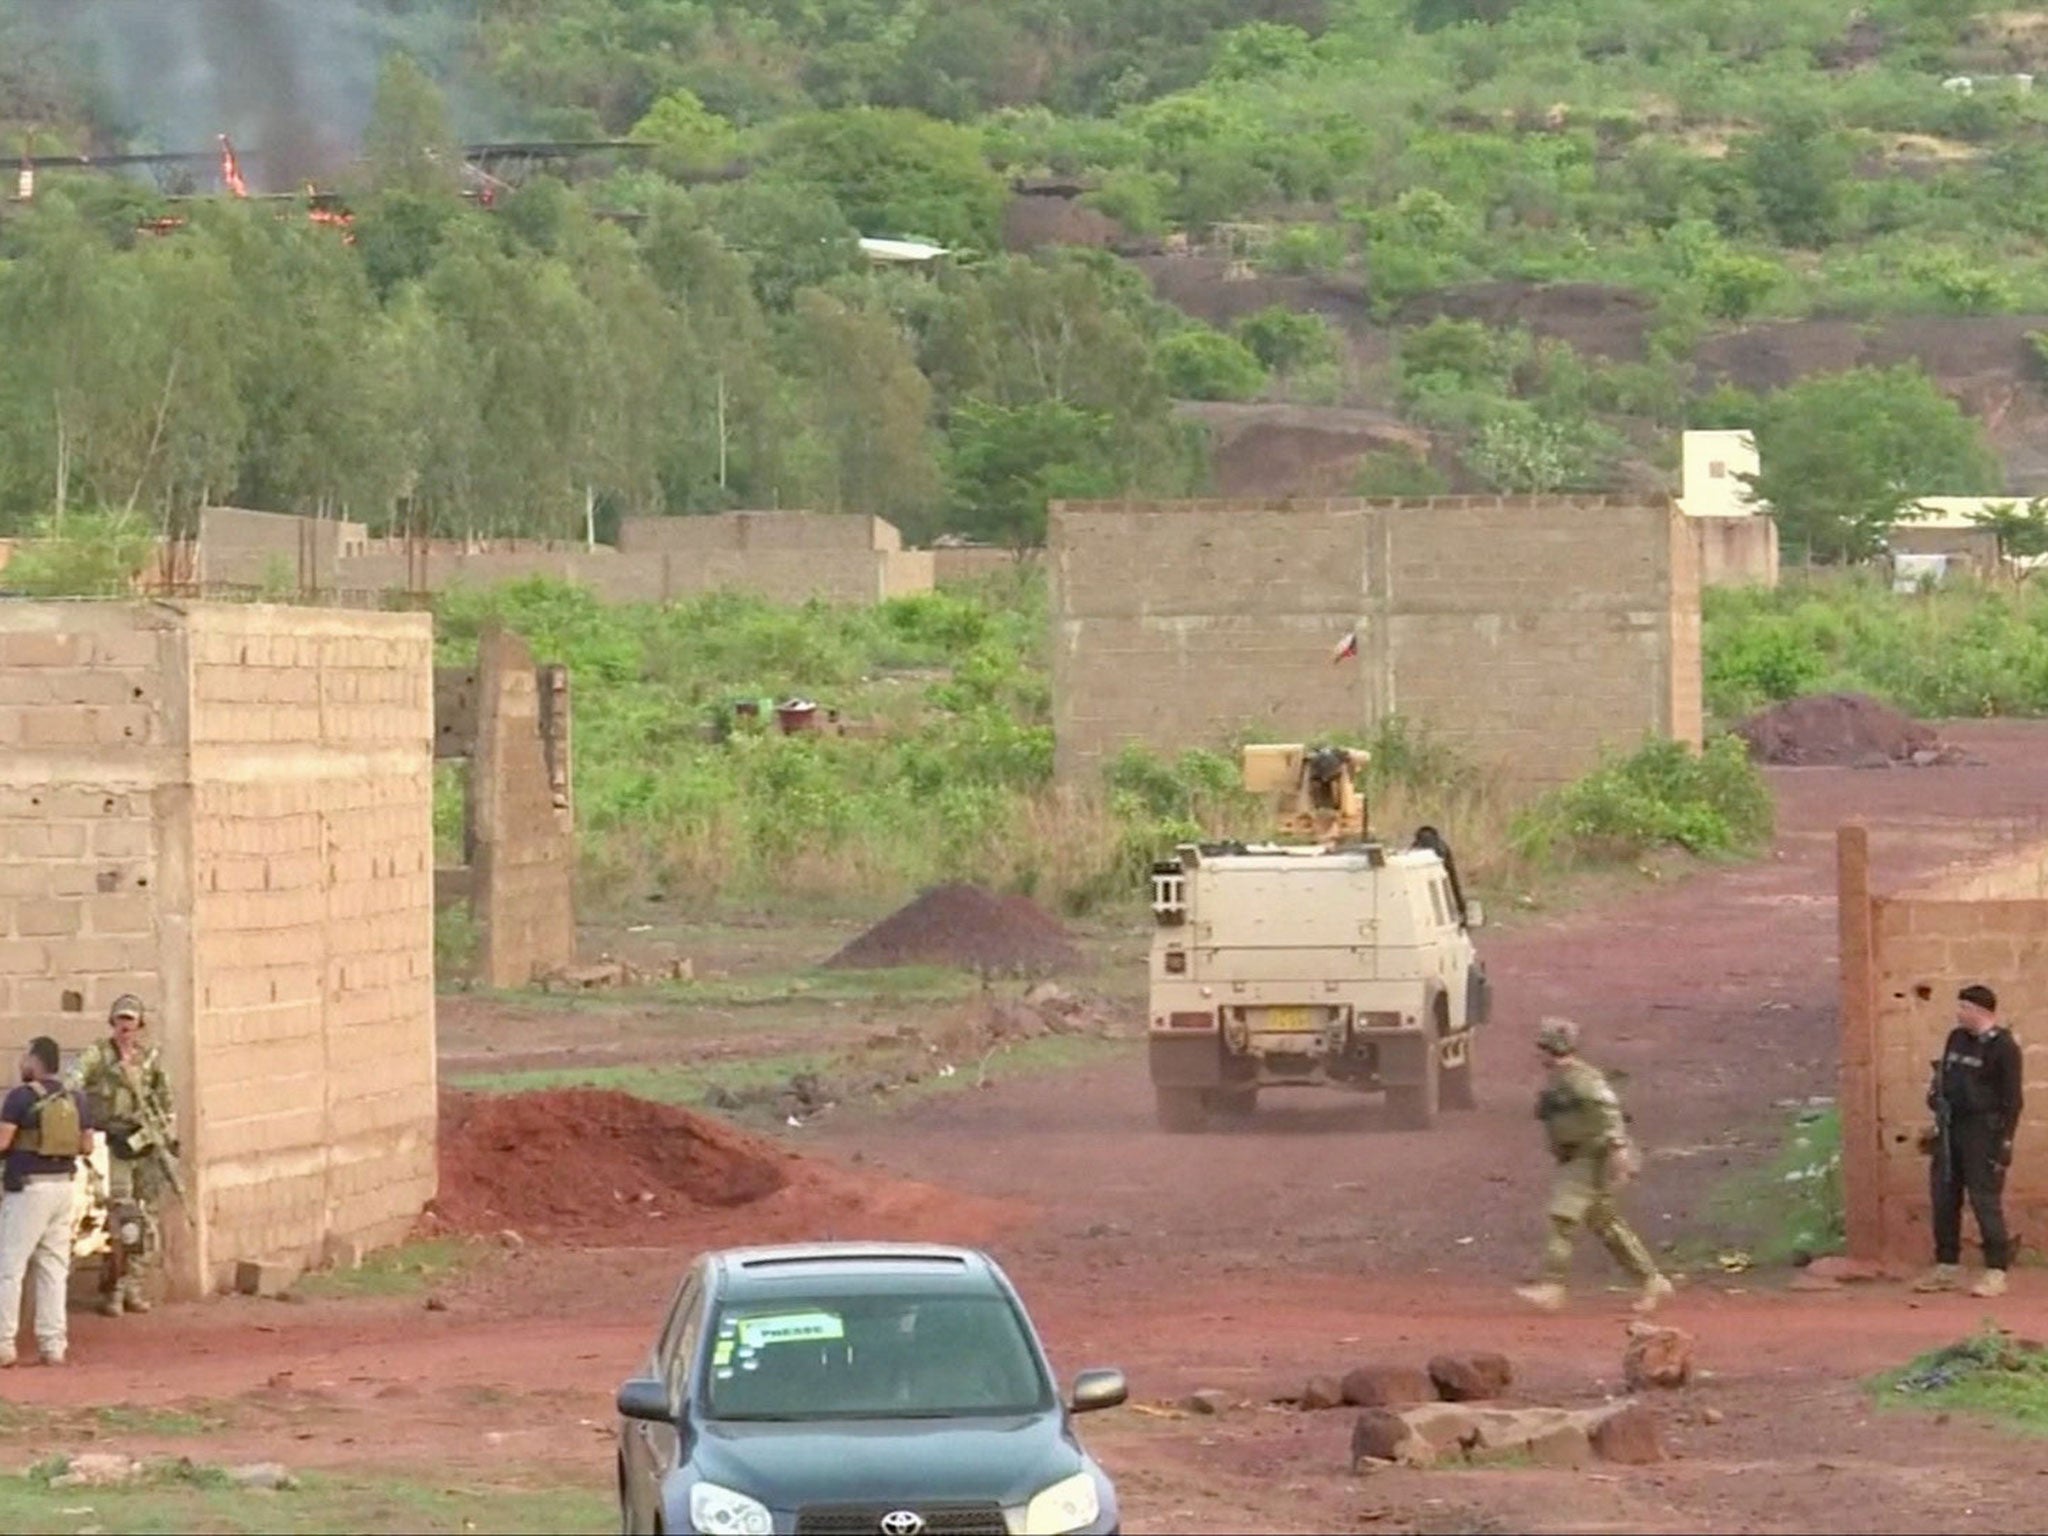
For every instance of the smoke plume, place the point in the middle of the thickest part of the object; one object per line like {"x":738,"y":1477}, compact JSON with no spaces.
{"x":290,"y":81}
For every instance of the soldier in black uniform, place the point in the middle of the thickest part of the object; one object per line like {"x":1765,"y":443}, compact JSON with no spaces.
{"x":1976,"y":1097}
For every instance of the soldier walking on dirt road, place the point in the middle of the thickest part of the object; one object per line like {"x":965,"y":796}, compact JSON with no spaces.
{"x":123,"y":1080}
{"x":1589,"y":1138}
{"x":1976,"y":1098}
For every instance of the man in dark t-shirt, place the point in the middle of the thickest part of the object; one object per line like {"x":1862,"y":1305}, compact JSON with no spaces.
{"x":45,"y":1129}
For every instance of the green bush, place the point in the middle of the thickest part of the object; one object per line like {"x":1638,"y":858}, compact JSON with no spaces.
{"x":1664,"y":795}
{"x":1201,"y":364}
{"x":84,"y":554}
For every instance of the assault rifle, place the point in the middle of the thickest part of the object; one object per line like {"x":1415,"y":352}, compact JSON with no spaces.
{"x":1944,"y":1125}
{"x":149,"y":1137}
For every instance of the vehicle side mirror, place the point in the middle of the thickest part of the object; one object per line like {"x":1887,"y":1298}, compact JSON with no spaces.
{"x":1096,"y":1390}
{"x":1475,"y":915}
{"x":646,"y":1398}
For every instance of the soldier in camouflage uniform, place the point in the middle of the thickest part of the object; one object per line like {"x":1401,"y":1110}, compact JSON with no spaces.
{"x":1589,"y":1138}
{"x":123,"y":1081}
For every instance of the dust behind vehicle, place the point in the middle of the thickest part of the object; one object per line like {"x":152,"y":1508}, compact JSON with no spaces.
{"x":856,"y":1387}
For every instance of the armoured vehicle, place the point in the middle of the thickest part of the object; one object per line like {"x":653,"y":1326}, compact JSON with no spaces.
{"x":1328,"y":960}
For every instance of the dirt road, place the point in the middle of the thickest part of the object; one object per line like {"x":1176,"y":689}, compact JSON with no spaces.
{"x":1312,"y":1239}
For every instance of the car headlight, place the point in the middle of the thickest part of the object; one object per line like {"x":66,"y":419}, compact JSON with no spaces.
{"x":1067,"y":1505}
{"x":725,"y":1513}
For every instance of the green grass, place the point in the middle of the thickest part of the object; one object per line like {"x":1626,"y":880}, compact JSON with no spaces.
{"x":697,"y":1084}
{"x":178,"y":1498}
{"x":1790,"y":1205}
{"x":1991,"y":1374}
{"x":904,"y":985}
{"x":399,"y":1271}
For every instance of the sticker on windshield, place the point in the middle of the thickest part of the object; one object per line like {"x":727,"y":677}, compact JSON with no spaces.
{"x":721,"y":1354}
{"x":790,"y":1328}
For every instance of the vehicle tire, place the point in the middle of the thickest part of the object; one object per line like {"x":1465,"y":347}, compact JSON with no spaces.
{"x":1232,"y":1103}
{"x":1181,"y":1111}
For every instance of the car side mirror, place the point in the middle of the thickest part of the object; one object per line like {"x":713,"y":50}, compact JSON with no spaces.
{"x":646,"y":1398}
{"x":1475,"y":915}
{"x":1096,"y":1390}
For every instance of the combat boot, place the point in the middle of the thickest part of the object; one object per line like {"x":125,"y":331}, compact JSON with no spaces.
{"x":1546,"y":1296}
{"x":1991,"y":1286}
{"x":1943,"y":1277}
{"x":132,"y":1297}
{"x":1655,"y":1289}
{"x":110,"y":1303}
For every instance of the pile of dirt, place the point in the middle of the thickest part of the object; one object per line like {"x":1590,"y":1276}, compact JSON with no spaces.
{"x":591,"y":1166}
{"x":968,"y":928}
{"x":1843,"y":730}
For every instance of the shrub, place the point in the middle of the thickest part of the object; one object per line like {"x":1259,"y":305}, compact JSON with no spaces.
{"x":87,"y":554}
{"x":1201,"y":364}
{"x":1665,"y":795}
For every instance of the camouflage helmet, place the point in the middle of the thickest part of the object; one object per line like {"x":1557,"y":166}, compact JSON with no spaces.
{"x":1557,"y":1037}
{"x":126,"y":1006}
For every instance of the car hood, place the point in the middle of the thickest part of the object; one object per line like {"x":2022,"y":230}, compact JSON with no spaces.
{"x":1005,"y":1460}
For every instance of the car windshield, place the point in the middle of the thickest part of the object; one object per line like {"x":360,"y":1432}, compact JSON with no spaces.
{"x":901,"y":1356}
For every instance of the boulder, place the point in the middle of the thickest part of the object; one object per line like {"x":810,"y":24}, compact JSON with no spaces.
{"x":1657,"y":1357}
{"x":1564,"y":1445}
{"x":1470,"y":1378}
{"x":1322,"y":1392}
{"x":1381,"y":1435}
{"x":97,"y":1469}
{"x":1387,"y":1386}
{"x":1446,"y":1426}
{"x":1629,"y":1436}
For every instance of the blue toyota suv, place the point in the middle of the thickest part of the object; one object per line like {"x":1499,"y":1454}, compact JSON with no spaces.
{"x":835,"y":1389}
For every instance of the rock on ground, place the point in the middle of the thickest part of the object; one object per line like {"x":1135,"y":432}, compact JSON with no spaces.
{"x":1657,"y":1357}
{"x":1846,"y":1270}
{"x":1630,"y":1437}
{"x":1470,"y":1378}
{"x":1387,"y":1386}
{"x":1322,"y":1392}
{"x":97,"y":1469}
{"x":1381,"y":1435}
{"x":1206,"y":1401}
{"x":262,"y":1474}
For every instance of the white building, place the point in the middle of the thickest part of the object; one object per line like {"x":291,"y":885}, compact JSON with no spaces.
{"x":1712,"y":484}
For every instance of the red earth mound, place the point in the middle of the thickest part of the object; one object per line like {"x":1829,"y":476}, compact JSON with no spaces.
{"x":966,"y":927}
{"x":589,"y":1166}
{"x":1838,"y":730}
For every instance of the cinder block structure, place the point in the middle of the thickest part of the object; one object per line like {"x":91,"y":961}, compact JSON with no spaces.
{"x":1531,"y":633}
{"x":228,"y":811}
{"x":1904,"y":955}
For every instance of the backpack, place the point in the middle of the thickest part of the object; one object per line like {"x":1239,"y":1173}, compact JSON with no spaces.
{"x":53,"y":1129}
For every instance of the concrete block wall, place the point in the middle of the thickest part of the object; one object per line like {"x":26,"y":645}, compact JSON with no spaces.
{"x":1904,"y":955}
{"x":89,"y":724}
{"x":259,"y":845}
{"x":246,"y":548}
{"x":1737,"y":551}
{"x":952,"y":567}
{"x":1530,"y":633}
{"x":522,"y":816}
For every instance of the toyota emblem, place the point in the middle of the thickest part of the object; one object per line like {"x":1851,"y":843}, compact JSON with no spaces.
{"x":902,"y":1522}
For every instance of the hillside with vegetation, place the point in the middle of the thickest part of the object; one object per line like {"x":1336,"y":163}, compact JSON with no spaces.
{"x":1392,"y":246}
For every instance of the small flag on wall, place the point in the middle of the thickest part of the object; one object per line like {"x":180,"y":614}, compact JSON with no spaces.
{"x":1346,"y":647}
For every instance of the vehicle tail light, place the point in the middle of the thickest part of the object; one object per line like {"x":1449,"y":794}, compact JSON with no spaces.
{"x":1380,"y":1020}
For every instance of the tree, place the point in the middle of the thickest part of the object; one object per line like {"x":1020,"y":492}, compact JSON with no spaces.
{"x":792,"y":236}
{"x":896,"y":173}
{"x":1797,"y":169}
{"x":686,"y":135}
{"x":1201,"y":364}
{"x":1007,"y":462}
{"x":1288,"y":339}
{"x":409,"y":145}
{"x":865,"y":409}
{"x":2021,"y":527}
{"x":1844,"y":453}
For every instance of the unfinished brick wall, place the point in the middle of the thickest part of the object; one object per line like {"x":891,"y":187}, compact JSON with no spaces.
{"x":282,"y":760}
{"x":511,"y":721}
{"x":89,"y":729}
{"x":1737,"y":551}
{"x":1904,"y":954}
{"x":1529,"y":633}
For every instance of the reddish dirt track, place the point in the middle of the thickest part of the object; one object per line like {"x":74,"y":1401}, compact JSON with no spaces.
{"x":1312,"y":1238}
